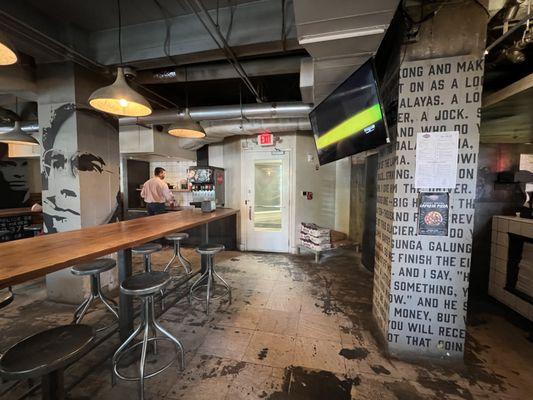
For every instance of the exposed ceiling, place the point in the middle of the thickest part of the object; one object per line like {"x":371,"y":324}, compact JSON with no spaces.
{"x":97,"y":15}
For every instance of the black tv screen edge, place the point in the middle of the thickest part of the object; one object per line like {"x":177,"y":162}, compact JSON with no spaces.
{"x":351,"y":119}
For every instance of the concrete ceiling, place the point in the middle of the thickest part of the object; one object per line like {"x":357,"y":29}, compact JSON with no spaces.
{"x":89,"y":28}
{"x":506,"y":115}
{"x":97,"y":15}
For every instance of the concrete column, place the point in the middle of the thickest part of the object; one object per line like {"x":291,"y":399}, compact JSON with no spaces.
{"x":79,"y":164}
{"x":421,"y":282}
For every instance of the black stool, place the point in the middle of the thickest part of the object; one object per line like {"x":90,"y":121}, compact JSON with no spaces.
{"x":146,"y":250}
{"x":209,"y":250}
{"x":45,"y":355}
{"x":94,"y":269}
{"x":177,"y":238}
{"x":35,"y":229}
{"x":145,"y":286}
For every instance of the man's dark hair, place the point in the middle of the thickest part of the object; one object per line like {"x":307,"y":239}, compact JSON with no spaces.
{"x":158,"y":170}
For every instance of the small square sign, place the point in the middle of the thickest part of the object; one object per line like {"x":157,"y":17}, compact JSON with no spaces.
{"x":265,"y":139}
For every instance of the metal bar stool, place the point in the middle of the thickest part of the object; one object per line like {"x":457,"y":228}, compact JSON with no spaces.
{"x":209,"y":250}
{"x":35,"y":229}
{"x":45,"y":355}
{"x":146,"y":250}
{"x":6,"y":298}
{"x":94,"y":269}
{"x":146,"y":286}
{"x":176,"y":238}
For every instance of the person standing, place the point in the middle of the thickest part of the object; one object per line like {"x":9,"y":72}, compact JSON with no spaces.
{"x":156,"y":193}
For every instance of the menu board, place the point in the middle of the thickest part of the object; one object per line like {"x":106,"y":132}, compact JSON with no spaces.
{"x":436,"y":159}
{"x":433,"y":211}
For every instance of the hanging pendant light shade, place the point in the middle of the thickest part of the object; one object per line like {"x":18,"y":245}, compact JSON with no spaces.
{"x":18,"y":136}
{"x":188,"y":129}
{"x":7,"y":55}
{"x":120,"y":99}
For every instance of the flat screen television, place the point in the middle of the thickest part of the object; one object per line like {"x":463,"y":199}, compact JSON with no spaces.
{"x":351,"y":119}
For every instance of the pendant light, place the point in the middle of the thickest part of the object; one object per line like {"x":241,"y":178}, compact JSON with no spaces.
{"x":187,"y":129}
{"x":17,"y":135}
{"x":7,"y":55}
{"x":119,"y":98}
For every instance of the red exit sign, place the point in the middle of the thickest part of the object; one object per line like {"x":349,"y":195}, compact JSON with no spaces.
{"x":265,"y":139}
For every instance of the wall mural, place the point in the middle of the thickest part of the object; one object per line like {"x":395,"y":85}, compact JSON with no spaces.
{"x":426,"y":280}
{"x":62,"y":165}
{"x":13,"y":183}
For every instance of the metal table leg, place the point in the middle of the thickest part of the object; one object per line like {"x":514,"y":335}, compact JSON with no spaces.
{"x":205,"y":240}
{"x":52,"y":386}
{"x":125,"y":270}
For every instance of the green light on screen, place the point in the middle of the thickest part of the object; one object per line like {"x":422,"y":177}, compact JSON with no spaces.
{"x":351,"y":126}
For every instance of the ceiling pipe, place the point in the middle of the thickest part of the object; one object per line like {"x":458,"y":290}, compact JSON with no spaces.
{"x":216,"y":131}
{"x":213,"y":117}
{"x":26,"y":126}
{"x":217,"y":71}
{"x":262,"y":110}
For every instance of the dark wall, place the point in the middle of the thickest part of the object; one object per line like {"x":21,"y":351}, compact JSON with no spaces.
{"x":492,"y":199}
{"x":14,"y":188}
{"x":357,"y":200}
{"x":138,"y":173}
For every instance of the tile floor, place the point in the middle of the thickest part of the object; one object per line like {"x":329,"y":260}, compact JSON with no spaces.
{"x":295,"y":330}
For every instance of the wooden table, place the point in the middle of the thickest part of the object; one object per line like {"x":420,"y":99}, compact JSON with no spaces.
{"x":26,"y":259}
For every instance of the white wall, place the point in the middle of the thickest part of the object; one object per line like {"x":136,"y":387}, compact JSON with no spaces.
{"x":330,"y":184}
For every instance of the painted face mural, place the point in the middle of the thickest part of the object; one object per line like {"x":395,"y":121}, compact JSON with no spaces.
{"x":13,"y":184}
{"x":61,"y":165}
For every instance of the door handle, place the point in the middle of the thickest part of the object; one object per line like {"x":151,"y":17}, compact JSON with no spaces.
{"x":250,"y":213}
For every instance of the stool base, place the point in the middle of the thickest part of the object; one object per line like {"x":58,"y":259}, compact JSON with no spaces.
{"x":209,"y":275}
{"x":148,"y":323}
{"x":186,"y":264}
{"x":96,"y":293}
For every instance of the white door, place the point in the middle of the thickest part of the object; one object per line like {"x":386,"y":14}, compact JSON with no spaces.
{"x":266,"y":200}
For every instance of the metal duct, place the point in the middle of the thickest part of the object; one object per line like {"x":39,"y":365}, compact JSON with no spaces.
{"x":262,"y":110}
{"x":26,"y":126}
{"x":216,"y":131}
{"x":208,"y":72}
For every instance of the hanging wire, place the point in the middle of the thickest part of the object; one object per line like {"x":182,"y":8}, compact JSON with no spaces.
{"x":120,"y":33}
{"x":168,"y":23}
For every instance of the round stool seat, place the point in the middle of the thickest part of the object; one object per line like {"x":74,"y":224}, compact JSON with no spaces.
{"x":208,"y":249}
{"x":147,"y":248}
{"x":93,"y":267}
{"x":177,"y":236}
{"x":33,"y":228}
{"x":6,"y":297}
{"x":46,"y":351}
{"x":146,"y":283}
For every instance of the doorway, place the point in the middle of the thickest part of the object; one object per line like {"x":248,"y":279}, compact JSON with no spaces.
{"x":266,"y":200}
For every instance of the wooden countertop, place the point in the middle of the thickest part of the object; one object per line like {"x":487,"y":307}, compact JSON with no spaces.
{"x":26,"y":259}
{"x":14,"y":212}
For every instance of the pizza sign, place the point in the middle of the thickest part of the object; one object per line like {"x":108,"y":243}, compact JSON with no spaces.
{"x":433,"y":211}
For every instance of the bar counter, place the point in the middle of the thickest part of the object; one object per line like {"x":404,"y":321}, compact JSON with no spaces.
{"x":25,"y":259}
